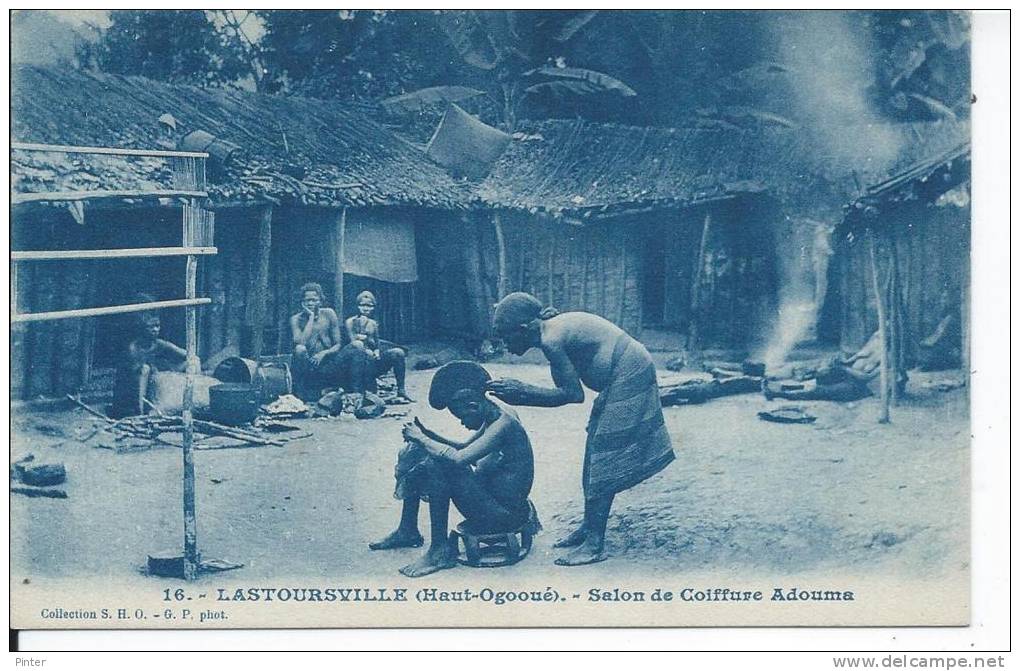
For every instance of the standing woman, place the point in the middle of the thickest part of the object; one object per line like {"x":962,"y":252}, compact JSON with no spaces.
{"x":627,"y":439}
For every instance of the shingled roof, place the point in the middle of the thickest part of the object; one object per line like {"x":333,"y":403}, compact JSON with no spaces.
{"x":292,"y":149}
{"x":583,"y":168}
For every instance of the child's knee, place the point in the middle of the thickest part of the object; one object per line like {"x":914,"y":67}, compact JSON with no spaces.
{"x":300,"y":350}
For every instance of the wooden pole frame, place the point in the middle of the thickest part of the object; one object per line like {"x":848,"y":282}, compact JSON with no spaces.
{"x":694,"y":328}
{"x":502,"y":282}
{"x":191,"y":558}
{"x":113,"y":151}
{"x":880,"y":307}
{"x":258,"y":299}
{"x":78,"y":196}
{"x":340,"y":231}
{"x":191,"y":561}
{"x":133,"y":252}
{"x":108,"y":310}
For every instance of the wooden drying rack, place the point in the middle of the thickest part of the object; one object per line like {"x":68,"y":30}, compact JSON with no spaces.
{"x":192,"y":200}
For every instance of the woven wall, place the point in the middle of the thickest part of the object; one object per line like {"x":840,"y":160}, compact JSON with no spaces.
{"x":933,"y":249}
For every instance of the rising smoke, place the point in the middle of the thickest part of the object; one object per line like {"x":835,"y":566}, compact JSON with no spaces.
{"x":829,"y":57}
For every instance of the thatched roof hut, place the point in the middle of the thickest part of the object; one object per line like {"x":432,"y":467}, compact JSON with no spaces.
{"x":302,"y":171}
{"x":612,"y":219}
{"x":588,"y":169}
{"x":292,"y":150}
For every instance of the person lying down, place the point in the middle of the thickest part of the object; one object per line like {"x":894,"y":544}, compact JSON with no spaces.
{"x":488,"y":477}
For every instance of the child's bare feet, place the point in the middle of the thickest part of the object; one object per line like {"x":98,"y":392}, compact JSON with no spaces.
{"x":573,"y":539}
{"x":436,"y":559}
{"x":399,"y":539}
{"x":590,"y":551}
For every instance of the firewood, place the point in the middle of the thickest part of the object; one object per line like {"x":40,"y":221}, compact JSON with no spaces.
{"x":38,"y":492}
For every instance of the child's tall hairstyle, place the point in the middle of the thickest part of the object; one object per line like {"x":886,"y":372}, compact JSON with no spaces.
{"x":455,"y":380}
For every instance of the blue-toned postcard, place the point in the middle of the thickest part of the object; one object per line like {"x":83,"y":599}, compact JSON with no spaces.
{"x":504,"y":318}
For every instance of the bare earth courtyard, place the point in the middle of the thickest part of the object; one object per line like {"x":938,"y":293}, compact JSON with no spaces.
{"x":743,"y":494}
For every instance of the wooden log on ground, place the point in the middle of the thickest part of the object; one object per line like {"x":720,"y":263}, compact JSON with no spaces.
{"x":215,"y":429}
{"x":36,"y":492}
{"x":41,"y":475}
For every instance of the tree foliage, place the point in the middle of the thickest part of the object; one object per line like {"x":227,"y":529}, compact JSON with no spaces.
{"x":658,"y":67}
{"x":171,"y":45}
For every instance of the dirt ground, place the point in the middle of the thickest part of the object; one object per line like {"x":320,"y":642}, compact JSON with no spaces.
{"x":743,"y":494}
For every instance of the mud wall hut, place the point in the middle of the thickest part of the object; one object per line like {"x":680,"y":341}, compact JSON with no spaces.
{"x":703,"y":232}
{"x":918,"y":223}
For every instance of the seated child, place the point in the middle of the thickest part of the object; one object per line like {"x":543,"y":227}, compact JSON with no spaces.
{"x":146,"y":355}
{"x":363,"y":333}
{"x":488,"y":477}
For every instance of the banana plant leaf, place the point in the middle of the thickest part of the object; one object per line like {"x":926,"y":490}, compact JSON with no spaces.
{"x":578,"y":80}
{"x":470,"y":37}
{"x":577,"y":21}
{"x":433,"y":95}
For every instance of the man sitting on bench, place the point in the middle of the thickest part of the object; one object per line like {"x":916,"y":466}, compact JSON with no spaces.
{"x":488,"y":477}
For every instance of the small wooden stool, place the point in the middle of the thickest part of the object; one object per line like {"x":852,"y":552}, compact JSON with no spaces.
{"x":488,"y":550}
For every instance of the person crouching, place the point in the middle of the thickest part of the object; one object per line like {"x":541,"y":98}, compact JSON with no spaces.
{"x":488,"y":477}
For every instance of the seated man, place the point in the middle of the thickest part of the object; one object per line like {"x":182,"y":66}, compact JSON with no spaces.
{"x":839,"y":379}
{"x":146,"y":355}
{"x":363,"y":333}
{"x":320,"y":361}
{"x":488,"y":477}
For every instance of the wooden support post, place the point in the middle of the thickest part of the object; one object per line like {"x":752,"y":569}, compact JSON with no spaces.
{"x":622,"y":312}
{"x":478,"y":307}
{"x":965,"y":312}
{"x":191,"y":559}
{"x":258,"y":297}
{"x":883,"y":417}
{"x":340,"y":231}
{"x":694,"y":334}
{"x":502,"y":288}
{"x":897,"y":366}
{"x":552,"y":263}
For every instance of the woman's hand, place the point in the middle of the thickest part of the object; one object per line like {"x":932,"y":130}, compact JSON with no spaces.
{"x":506,"y":389}
{"x":317,"y":358}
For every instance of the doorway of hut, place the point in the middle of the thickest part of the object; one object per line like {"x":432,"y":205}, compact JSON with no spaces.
{"x":307,"y":253}
{"x":714,"y":263}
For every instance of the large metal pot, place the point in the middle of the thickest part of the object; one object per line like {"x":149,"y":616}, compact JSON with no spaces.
{"x":233,"y":403}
